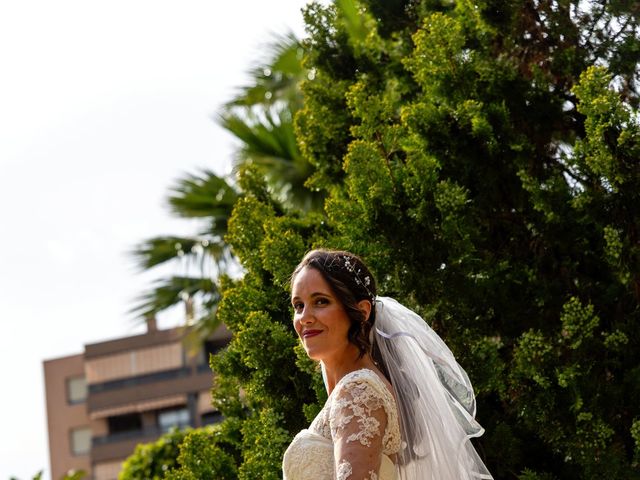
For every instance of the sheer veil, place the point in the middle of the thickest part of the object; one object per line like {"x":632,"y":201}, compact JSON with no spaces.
{"x":436,"y":403}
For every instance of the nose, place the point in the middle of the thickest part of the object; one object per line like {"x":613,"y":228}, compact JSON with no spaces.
{"x":305,"y":317}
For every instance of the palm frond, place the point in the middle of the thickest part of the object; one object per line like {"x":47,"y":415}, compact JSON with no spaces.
{"x":261,"y":117}
{"x":269,"y":141}
{"x":203,"y":195}
{"x":276,"y":79}
{"x":172,"y":291}
{"x":191,"y":250}
{"x":270,"y":135}
{"x":158,"y":250}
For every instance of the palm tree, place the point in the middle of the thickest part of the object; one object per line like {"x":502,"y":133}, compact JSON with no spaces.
{"x":261,"y":117}
{"x":203,"y":256}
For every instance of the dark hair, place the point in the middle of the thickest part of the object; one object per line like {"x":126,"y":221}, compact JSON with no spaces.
{"x":351,"y":282}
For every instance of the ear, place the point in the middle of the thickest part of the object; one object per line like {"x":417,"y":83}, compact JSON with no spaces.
{"x":365,"y":307}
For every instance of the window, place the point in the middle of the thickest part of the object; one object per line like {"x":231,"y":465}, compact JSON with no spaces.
{"x":125,"y":423}
{"x":211,"y":347}
{"x":80,"y":441}
{"x":209,"y":418}
{"x":173,"y":418}
{"x":76,"y":390}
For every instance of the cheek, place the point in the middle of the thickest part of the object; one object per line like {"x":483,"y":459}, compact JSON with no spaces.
{"x":346,"y":324}
{"x":340,"y":322}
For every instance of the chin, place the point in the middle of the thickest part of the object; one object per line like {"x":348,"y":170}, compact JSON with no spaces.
{"x":314,"y":354}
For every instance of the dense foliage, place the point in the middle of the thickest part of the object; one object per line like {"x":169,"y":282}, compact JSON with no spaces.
{"x":489,"y":174}
{"x":208,"y":453}
{"x":483,"y":157}
{"x":154,"y":459}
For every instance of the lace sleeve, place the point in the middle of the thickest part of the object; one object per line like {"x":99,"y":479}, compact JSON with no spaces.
{"x":358,"y":421}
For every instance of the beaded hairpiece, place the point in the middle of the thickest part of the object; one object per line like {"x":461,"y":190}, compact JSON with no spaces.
{"x":365,"y":282}
{"x":357,"y":274}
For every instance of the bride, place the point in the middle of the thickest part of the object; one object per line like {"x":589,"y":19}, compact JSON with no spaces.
{"x":399,"y":407}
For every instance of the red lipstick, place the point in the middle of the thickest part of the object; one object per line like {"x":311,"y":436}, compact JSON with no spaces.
{"x":311,"y":333}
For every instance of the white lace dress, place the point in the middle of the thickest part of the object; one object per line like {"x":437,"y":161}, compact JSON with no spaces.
{"x":353,"y":436}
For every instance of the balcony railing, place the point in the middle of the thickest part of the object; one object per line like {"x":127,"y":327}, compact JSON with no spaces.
{"x":140,"y":380}
{"x":151,"y":431}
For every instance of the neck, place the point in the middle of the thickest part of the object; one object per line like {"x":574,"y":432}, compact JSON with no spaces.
{"x":336,"y":370}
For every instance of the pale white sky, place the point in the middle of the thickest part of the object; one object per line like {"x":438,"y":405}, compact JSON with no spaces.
{"x":103,"y":105}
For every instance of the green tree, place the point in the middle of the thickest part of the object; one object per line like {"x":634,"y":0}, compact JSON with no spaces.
{"x":153,"y":460}
{"x":208,"y":453}
{"x":489,"y":174}
{"x":483,"y":158}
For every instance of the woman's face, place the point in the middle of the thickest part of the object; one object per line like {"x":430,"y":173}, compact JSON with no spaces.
{"x":319,"y":318}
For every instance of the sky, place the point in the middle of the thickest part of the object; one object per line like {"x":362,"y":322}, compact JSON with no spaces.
{"x":103,"y":106}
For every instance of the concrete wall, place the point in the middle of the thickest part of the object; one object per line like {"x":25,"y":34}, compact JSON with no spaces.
{"x":63,"y":417}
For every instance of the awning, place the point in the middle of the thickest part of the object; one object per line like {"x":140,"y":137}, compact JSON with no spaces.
{"x":139,"y":407}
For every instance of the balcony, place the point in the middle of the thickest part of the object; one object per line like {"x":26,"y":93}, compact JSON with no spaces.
{"x":122,"y":444}
{"x":140,"y":380}
{"x":133,"y":393}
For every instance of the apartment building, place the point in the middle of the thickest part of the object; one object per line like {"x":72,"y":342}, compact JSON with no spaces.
{"x":116,"y":394}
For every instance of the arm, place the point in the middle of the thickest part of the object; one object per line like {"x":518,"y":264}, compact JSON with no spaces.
{"x":358,"y":422}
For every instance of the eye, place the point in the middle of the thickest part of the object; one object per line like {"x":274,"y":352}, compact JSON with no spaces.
{"x":322,"y":301}
{"x":297,"y":307}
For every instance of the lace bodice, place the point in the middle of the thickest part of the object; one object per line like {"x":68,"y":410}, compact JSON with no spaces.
{"x":353,"y":436}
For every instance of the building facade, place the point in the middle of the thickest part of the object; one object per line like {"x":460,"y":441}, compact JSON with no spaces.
{"x":119,"y":393}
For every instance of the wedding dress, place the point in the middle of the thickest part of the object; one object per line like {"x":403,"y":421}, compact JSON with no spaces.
{"x":359,"y":420}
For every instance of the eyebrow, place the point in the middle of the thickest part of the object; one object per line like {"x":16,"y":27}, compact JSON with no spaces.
{"x":314,"y":294}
